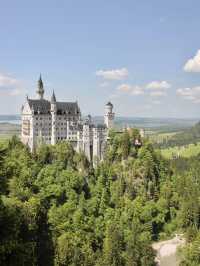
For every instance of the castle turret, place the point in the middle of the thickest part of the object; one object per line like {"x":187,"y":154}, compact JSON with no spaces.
{"x":53,"y":119}
{"x":109,"y":115}
{"x":40,"y":89}
{"x":32,"y":131}
{"x":87,"y":140}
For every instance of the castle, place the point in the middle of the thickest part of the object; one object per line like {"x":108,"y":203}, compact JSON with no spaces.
{"x":51,"y":121}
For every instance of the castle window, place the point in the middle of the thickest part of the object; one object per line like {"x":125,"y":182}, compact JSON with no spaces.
{"x":26,"y":127}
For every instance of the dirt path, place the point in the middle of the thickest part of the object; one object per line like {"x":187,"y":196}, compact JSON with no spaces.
{"x":166,"y":251}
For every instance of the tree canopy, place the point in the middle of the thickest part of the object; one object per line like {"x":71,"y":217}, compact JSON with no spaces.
{"x":56,"y":209}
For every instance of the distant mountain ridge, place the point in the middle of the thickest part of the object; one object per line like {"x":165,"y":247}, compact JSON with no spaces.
{"x":158,"y":124}
{"x":12,"y":119}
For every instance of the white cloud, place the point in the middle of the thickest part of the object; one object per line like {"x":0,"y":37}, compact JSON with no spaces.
{"x":193,"y":64}
{"x":191,"y":94}
{"x":6,"y":81}
{"x":158,"y":88}
{"x":136,"y":90}
{"x":158,"y":93}
{"x":15,"y":92}
{"x":130,"y":89}
{"x":104,"y":84}
{"x":114,"y":74}
{"x":10,"y":85}
{"x":124,"y":88}
{"x":153,"y":89}
{"x":158,"y":85}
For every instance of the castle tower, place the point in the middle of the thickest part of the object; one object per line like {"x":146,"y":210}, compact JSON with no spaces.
{"x":32,"y":131}
{"x":109,"y":115}
{"x":53,"y":119}
{"x":40,"y":89}
{"x":87,"y":140}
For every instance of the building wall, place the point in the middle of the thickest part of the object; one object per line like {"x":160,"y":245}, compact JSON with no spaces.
{"x":52,"y":127}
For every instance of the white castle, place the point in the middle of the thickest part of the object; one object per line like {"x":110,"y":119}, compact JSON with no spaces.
{"x":50,"y":122}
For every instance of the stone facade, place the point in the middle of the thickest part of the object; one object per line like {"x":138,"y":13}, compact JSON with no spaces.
{"x":51,"y":121}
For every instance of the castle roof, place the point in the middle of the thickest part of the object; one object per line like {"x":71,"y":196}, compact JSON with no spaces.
{"x":109,"y":104}
{"x":53,"y":98}
{"x":44,"y":107}
{"x":40,"y":89}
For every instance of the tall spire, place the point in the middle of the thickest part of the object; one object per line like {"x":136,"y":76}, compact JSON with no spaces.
{"x":53,"y":98}
{"x":40,"y":89}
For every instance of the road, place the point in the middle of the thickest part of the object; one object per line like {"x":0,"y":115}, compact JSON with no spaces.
{"x":167,"y":251}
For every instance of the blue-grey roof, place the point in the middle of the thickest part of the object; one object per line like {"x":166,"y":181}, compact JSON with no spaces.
{"x":44,"y":107}
{"x":109,"y":104}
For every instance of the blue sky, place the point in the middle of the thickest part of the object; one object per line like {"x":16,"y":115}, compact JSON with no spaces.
{"x":141,"y":55}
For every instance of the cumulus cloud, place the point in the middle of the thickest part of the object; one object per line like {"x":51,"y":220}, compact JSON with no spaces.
{"x":153,"y":89}
{"x":193,"y":64}
{"x":137,"y":90}
{"x":158,"y":85}
{"x":130,"y":89}
{"x":124,"y":88}
{"x":191,"y":94}
{"x":114,"y":74}
{"x":158,"y":88}
{"x":10,"y":85}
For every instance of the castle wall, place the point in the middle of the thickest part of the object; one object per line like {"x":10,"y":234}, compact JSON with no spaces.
{"x":51,"y":126}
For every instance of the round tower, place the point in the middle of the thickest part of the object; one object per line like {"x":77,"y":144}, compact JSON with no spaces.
{"x":109,"y":115}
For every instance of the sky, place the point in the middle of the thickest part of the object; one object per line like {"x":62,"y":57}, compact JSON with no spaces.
{"x":142,"y":55}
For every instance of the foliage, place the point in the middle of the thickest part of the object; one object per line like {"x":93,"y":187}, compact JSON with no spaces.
{"x":54,"y":202}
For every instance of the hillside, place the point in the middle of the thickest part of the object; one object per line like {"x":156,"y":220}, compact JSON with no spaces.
{"x":54,"y":202}
{"x":186,"y":136}
{"x":9,"y":129}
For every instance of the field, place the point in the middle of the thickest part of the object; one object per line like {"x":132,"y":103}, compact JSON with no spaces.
{"x":161,"y":137}
{"x":7,"y":130}
{"x":3,"y":141}
{"x":182,"y":151}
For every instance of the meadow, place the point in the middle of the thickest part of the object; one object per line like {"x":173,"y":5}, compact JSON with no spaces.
{"x":185,"y":151}
{"x":157,"y":137}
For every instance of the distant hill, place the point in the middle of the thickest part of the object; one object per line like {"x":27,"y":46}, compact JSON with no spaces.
{"x":10,"y":124}
{"x":187,"y":136}
{"x":14,"y":119}
{"x":9,"y":129}
{"x":150,"y":123}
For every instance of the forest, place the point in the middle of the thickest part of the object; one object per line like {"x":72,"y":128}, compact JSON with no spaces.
{"x":57,"y":209}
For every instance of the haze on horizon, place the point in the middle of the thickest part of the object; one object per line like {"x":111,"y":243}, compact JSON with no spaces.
{"x":144,"y":56}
